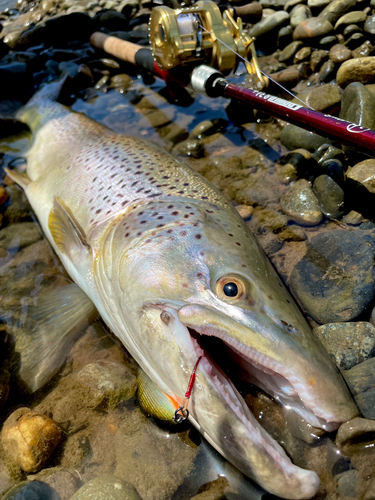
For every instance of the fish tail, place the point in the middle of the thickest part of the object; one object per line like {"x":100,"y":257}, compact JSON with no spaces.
{"x":42,"y":107}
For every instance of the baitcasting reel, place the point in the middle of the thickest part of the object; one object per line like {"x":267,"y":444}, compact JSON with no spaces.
{"x":201,"y":34}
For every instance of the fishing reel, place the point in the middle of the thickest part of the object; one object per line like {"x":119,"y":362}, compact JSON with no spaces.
{"x":202,"y":34}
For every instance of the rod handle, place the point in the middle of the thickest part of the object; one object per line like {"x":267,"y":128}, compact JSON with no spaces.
{"x":115,"y":46}
{"x":250,"y":13}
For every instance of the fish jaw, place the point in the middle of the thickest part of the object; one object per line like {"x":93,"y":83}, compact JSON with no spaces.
{"x":217,"y":409}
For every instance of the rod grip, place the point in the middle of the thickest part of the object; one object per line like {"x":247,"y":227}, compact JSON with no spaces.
{"x":121,"y":49}
{"x":250,"y":13}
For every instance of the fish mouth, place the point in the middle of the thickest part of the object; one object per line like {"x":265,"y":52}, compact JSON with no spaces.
{"x":275,"y":379}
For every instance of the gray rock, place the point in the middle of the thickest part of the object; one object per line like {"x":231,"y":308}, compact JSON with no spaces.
{"x":330,"y":196}
{"x":336,"y":9}
{"x":273,"y":4}
{"x":334,"y":281}
{"x":107,"y":487}
{"x":348,"y":343}
{"x":269,"y":23}
{"x":358,"y":105}
{"x":30,"y":490}
{"x":328,"y":41}
{"x":361,"y":382}
{"x":19,"y":235}
{"x":314,"y":27}
{"x":301,"y":205}
{"x":348,"y":483}
{"x":294,"y":137}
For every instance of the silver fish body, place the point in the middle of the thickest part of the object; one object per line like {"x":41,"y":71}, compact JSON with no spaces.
{"x":143,"y":234}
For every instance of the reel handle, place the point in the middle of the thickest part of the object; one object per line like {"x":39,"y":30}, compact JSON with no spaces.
{"x":121,"y":49}
{"x":250,"y":13}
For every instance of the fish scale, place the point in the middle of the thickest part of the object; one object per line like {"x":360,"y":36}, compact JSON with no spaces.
{"x":154,"y":247}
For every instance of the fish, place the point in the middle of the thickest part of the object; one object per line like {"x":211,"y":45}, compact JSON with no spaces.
{"x":168,"y":263}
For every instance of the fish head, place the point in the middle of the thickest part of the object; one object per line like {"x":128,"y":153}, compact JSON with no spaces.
{"x":183,"y":272}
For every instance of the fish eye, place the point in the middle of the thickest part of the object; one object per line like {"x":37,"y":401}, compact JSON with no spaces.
{"x":230,"y":289}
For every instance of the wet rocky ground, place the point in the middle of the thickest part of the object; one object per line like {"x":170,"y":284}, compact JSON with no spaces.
{"x":309,"y":201}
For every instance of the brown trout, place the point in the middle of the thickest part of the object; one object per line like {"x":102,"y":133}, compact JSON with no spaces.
{"x":167,"y":261}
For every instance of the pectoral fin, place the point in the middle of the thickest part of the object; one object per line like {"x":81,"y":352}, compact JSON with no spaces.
{"x":153,"y":401}
{"x":66,"y":232}
{"x":58,"y":318}
{"x":20,"y":178}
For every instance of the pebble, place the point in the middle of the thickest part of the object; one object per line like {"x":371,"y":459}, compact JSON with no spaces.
{"x":330,"y":196}
{"x":29,"y":439}
{"x":294,"y":137}
{"x":355,"y":41}
{"x":348,"y":483}
{"x":361,"y":69}
{"x":328,"y":152}
{"x":361,"y":382}
{"x":302,"y":54}
{"x":19,"y":235}
{"x":339,"y":53}
{"x":269,"y":23}
{"x":31,"y":490}
{"x":289,"y":51}
{"x":312,"y":28}
{"x":106,"y":487}
{"x":299,"y":14}
{"x":353,"y":17}
{"x":191,"y":147}
{"x":292,"y":233}
{"x":334,"y":281}
{"x":362,"y":173}
{"x":324,"y":97}
{"x":208,"y":127}
{"x":369,"y":26}
{"x":301,"y":204}
{"x":335,"y":170}
{"x":364,"y":50}
{"x":285,"y":36}
{"x":317,"y":59}
{"x":348,"y":343}
{"x":120,"y":81}
{"x":351,"y":29}
{"x":358,"y":105}
{"x":353,"y":218}
{"x":328,"y":41}
{"x":317,"y":4}
{"x":245,"y":211}
{"x":358,"y":427}
{"x":336,"y":9}
{"x":327,"y":72}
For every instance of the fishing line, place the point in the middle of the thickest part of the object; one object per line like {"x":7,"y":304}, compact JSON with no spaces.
{"x":264,"y":74}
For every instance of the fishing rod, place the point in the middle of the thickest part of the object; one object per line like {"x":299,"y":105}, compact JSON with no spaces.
{"x":197,"y":46}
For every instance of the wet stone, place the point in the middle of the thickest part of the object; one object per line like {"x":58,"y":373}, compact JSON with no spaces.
{"x":3,"y":195}
{"x":302,"y":54}
{"x":348,"y":343}
{"x":336,"y":9}
{"x":289,"y":51}
{"x":324,"y":97}
{"x":330,"y":196}
{"x":107,"y":487}
{"x":294,"y":137}
{"x":19,"y":235}
{"x":358,"y":105}
{"x":301,"y":204}
{"x":191,"y":147}
{"x":317,"y":59}
{"x":328,"y":41}
{"x":348,"y":483}
{"x":271,"y":219}
{"x":312,"y":28}
{"x":339,"y":53}
{"x":31,"y":490}
{"x":285,"y":36}
{"x":369,"y":26}
{"x":207,"y":128}
{"x":351,"y":29}
{"x":292,"y":233}
{"x":122,"y":81}
{"x":327,"y":72}
{"x":353,"y":430}
{"x":353,"y":17}
{"x":214,"y":490}
{"x":327,"y":152}
{"x":361,"y":177}
{"x":361,"y":382}
{"x":29,"y":438}
{"x":245,"y":211}
{"x":299,"y":14}
{"x":335,"y":170}
{"x":317,"y":4}
{"x":65,"y":482}
{"x":364,"y":50}
{"x":353,"y":218}
{"x":269,"y":23}
{"x":334,"y":281}
{"x":361,"y":69}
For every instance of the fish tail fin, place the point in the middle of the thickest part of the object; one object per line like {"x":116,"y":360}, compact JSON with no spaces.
{"x":42,"y":107}
{"x":57,"y":319}
{"x":20,"y":178}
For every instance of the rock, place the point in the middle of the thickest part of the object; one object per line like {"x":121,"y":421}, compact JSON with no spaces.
{"x":355,"y":430}
{"x":339,"y":53}
{"x":312,"y":28}
{"x":106,"y":487}
{"x":285,"y":36}
{"x":361,"y":382}
{"x":256,"y":192}
{"x":353,"y":17}
{"x":245,"y":211}
{"x":327,"y":152}
{"x":269,"y":23}
{"x":19,"y":235}
{"x":292,"y":233}
{"x":328,"y":41}
{"x":353,"y":218}
{"x":191,"y":147}
{"x":317,"y":58}
{"x":299,"y":14}
{"x":270,"y":219}
{"x":65,"y":482}
{"x":327,"y":72}
{"x":361,"y":185}
{"x":334,"y":281}
{"x":31,"y":490}
{"x":301,"y":205}
{"x":335,"y":170}
{"x":350,"y":30}
{"x":302,"y":54}
{"x":324,"y":97}
{"x":348,"y":343}
{"x":358,"y":105}
{"x":289,"y":51}
{"x":361,"y":69}
{"x":330,"y":196}
{"x":207,"y":128}
{"x":354,"y":41}
{"x":294,"y":137}
{"x":369,"y":26}
{"x":336,"y":9}
{"x":214,"y":490}
{"x":348,"y":483}
{"x":300,"y":163}
{"x":29,"y":439}
{"x":120,"y":81}
{"x":317,"y":4}
{"x":364,"y":50}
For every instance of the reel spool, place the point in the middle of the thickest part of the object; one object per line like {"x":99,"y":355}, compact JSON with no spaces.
{"x":193,"y":35}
